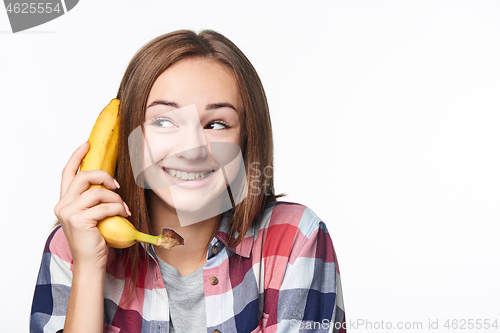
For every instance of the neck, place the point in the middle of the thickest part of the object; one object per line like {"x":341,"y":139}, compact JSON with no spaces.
{"x":193,"y":254}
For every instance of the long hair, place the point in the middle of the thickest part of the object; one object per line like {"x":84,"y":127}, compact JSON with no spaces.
{"x":257,"y":146}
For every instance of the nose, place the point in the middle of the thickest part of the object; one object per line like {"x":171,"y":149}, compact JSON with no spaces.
{"x":200,"y":152}
{"x":192,"y":144}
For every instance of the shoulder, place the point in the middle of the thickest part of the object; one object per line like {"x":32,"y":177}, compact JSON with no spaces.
{"x":284,"y":215}
{"x":292,"y":230}
{"x":57,"y":245}
{"x":57,"y":262}
{"x":53,"y":284}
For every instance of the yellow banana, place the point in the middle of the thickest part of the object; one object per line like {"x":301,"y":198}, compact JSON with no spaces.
{"x":117,"y":231}
{"x":103,"y":141}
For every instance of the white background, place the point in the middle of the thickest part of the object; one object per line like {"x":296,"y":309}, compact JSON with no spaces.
{"x":386,"y":123}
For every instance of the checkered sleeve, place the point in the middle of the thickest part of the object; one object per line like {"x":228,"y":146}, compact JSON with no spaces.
{"x":309,"y":298}
{"x":50,"y":300}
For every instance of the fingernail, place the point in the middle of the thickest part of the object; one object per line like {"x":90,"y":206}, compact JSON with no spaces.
{"x":126,"y":209}
{"x":84,"y":142}
{"x":116,"y":183}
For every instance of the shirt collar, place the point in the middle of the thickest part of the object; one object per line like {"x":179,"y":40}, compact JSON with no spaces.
{"x":245,"y":247}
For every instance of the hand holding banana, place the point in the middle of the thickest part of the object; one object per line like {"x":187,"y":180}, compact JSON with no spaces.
{"x":117,"y":231}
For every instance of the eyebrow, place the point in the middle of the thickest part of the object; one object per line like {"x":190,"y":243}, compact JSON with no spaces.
{"x":209,"y":107}
{"x":220,"y":105}
{"x":163,"y":102}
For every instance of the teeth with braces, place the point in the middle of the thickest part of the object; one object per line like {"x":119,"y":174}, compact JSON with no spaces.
{"x":183,"y":175}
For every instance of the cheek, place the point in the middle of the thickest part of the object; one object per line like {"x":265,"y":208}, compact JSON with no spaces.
{"x":157,"y":147}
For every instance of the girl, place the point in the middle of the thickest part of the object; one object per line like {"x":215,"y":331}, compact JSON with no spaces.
{"x":196,"y":156}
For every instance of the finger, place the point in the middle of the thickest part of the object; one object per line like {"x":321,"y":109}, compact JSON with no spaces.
{"x":97,"y":195}
{"x":84,"y":179}
{"x":71,"y":168}
{"x":100,"y":212}
{"x":80,"y":185}
{"x":86,"y":200}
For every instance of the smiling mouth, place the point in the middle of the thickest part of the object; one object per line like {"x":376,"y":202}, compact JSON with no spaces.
{"x":187,"y":176}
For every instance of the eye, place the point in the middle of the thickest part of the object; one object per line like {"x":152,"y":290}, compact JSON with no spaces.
{"x":217,"y":125}
{"x":162,"y":122}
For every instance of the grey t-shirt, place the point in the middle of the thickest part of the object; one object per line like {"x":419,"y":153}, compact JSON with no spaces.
{"x":186,"y":299}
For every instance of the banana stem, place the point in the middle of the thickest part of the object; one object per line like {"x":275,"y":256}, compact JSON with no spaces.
{"x":142,"y":237}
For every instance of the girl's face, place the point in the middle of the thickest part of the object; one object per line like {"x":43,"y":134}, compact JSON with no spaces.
{"x":193,"y":138}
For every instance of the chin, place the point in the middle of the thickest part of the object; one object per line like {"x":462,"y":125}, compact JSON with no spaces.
{"x":193,"y":209}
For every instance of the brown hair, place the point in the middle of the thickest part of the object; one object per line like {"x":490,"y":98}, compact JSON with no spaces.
{"x":143,"y":70}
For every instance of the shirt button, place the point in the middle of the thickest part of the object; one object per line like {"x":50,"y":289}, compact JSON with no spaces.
{"x":215,"y":250}
{"x":216,"y":331}
{"x":213,"y":282}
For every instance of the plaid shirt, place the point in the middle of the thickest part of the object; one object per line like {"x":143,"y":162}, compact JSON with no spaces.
{"x":283,"y":277}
